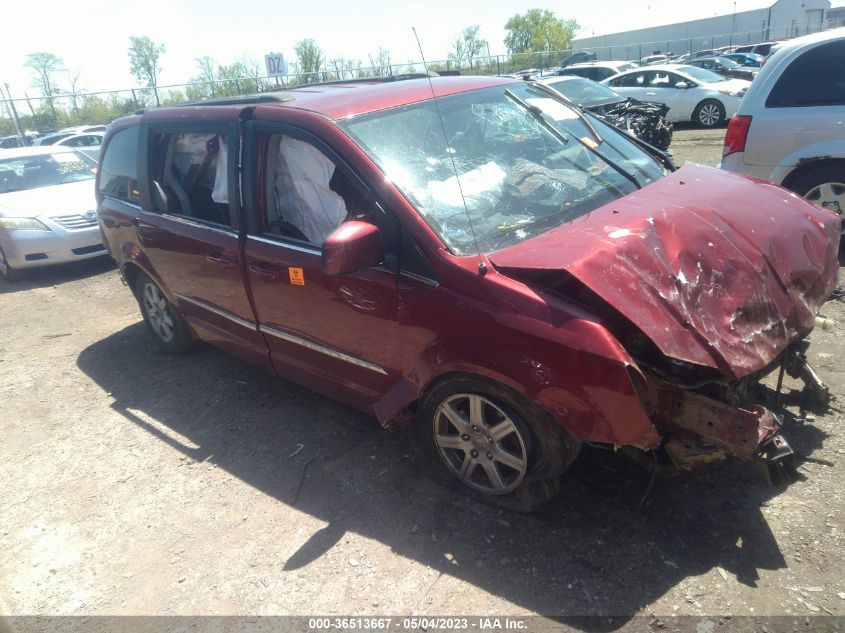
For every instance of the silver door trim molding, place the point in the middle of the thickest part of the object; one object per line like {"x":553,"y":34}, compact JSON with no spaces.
{"x":222,"y":313}
{"x":328,"y":351}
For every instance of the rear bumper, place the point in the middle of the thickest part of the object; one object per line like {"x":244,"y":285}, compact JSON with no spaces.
{"x":31,"y":249}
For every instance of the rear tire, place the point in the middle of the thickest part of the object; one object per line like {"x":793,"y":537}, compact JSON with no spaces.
{"x":167,"y":327}
{"x":709,"y":113}
{"x":824,"y":186}
{"x":488,"y":441}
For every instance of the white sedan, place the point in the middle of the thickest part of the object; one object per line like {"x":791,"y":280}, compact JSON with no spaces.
{"x":47,"y":208}
{"x":692,"y":94}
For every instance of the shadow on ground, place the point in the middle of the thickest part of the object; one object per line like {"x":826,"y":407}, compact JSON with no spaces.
{"x":588,"y":553}
{"x":58,"y":274}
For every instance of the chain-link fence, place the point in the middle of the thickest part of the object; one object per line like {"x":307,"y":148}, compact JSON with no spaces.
{"x":42,"y":114}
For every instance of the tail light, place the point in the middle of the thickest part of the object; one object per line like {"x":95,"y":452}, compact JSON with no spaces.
{"x":737,"y":134}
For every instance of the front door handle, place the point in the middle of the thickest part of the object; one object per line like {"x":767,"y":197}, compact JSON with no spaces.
{"x":220,"y":260}
{"x":265,"y":271}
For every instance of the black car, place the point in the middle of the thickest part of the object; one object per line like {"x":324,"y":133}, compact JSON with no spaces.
{"x":725,"y":67}
{"x":578,"y":58}
{"x":646,"y":121}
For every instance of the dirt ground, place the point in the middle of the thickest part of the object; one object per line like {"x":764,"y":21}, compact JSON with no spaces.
{"x":135,"y":483}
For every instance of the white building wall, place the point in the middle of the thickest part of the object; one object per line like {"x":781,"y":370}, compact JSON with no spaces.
{"x":785,"y":18}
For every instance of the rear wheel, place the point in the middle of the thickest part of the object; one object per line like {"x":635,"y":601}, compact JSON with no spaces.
{"x":824,"y":186}
{"x":709,"y":113}
{"x":490,"y":442}
{"x":169,"y":330}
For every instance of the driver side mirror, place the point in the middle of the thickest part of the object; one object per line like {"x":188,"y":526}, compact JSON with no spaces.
{"x":353,"y":246}
{"x":681,"y":85}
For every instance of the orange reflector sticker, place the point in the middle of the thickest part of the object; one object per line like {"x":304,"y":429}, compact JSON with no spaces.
{"x":296,"y":276}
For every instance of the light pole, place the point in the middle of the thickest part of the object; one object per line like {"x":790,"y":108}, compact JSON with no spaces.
{"x":733,"y":26}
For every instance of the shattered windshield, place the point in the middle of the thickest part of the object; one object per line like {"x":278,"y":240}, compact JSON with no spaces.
{"x":518,"y":162}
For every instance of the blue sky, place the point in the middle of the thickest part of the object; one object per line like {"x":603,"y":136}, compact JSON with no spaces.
{"x":92,"y":36}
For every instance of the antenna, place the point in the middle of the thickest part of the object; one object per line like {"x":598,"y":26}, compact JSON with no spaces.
{"x":482,"y":267}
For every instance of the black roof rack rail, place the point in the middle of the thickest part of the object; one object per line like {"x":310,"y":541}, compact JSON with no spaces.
{"x":265,"y":97}
{"x":359,"y":80}
{"x":274,"y":94}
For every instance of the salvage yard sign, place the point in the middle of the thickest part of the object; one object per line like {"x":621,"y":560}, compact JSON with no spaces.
{"x":275,"y":63}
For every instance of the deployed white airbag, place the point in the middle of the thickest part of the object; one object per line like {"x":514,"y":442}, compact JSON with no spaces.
{"x":303,"y":197}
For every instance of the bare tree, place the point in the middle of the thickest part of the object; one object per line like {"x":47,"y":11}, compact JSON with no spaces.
{"x":143,"y":61}
{"x":381,"y":65}
{"x":466,"y":46}
{"x":344,"y":68}
{"x":44,"y":67}
{"x":207,"y":73}
{"x":73,"y":83}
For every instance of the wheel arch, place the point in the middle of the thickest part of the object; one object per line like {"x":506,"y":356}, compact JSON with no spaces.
{"x":807,"y":166}
{"x":694,"y":116}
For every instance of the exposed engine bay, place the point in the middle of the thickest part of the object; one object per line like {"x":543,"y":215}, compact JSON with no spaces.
{"x":646,"y":121}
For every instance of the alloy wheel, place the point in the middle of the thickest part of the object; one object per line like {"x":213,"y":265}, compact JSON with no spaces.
{"x":480,"y":443}
{"x":709,"y":114}
{"x":158,"y":313}
{"x":830,"y":195}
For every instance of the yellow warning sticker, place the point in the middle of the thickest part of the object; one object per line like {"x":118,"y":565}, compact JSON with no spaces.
{"x":296,"y":276}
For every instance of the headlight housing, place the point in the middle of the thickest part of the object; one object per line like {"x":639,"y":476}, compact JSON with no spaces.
{"x":22,"y":224}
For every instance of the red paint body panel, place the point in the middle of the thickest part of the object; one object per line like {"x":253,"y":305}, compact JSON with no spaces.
{"x":714,"y":268}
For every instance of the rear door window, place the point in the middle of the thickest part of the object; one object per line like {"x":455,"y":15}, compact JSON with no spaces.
{"x":189,"y":174}
{"x":816,"y":78}
{"x":119,"y":167}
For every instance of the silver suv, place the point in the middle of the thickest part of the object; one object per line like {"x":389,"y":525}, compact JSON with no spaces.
{"x":789,"y":127}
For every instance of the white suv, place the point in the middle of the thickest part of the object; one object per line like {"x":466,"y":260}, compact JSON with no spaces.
{"x":790,"y":127}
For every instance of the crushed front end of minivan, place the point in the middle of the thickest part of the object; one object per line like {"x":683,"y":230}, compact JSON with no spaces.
{"x":708,"y":299}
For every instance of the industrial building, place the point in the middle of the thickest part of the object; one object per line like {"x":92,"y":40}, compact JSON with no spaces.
{"x":781,"y":20}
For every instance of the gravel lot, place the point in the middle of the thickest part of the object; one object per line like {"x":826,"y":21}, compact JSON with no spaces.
{"x":139,"y":483}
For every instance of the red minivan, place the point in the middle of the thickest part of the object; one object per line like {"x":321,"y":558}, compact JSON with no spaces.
{"x":519,"y":275}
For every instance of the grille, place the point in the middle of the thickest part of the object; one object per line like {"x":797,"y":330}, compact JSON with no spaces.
{"x":76,"y":221}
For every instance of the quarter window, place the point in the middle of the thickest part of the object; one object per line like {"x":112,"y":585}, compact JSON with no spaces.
{"x":816,"y":78}
{"x":119,"y":166}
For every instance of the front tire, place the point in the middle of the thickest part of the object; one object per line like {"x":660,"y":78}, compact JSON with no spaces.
{"x":490,"y":442}
{"x":7,"y":273}
{"x":169,"y":330}
{"x":709,"y":113}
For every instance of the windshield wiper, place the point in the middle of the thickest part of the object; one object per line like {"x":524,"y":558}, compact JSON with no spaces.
{"x":591,"y":147}
{"x":554,"y":93}
{"x":538,"y":114}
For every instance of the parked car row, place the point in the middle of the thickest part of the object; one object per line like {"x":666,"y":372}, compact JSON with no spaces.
{"x":77,"y":136}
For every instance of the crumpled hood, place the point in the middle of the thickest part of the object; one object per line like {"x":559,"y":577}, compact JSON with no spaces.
{"x":715,"y":268}
{"x":72,"y":197}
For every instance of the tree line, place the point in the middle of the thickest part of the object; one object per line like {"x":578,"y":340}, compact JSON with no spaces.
{"x":60,"y":103}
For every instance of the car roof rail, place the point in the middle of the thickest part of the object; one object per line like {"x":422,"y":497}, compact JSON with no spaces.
{"x":274,"y":95}
{"x":362,"y":80}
